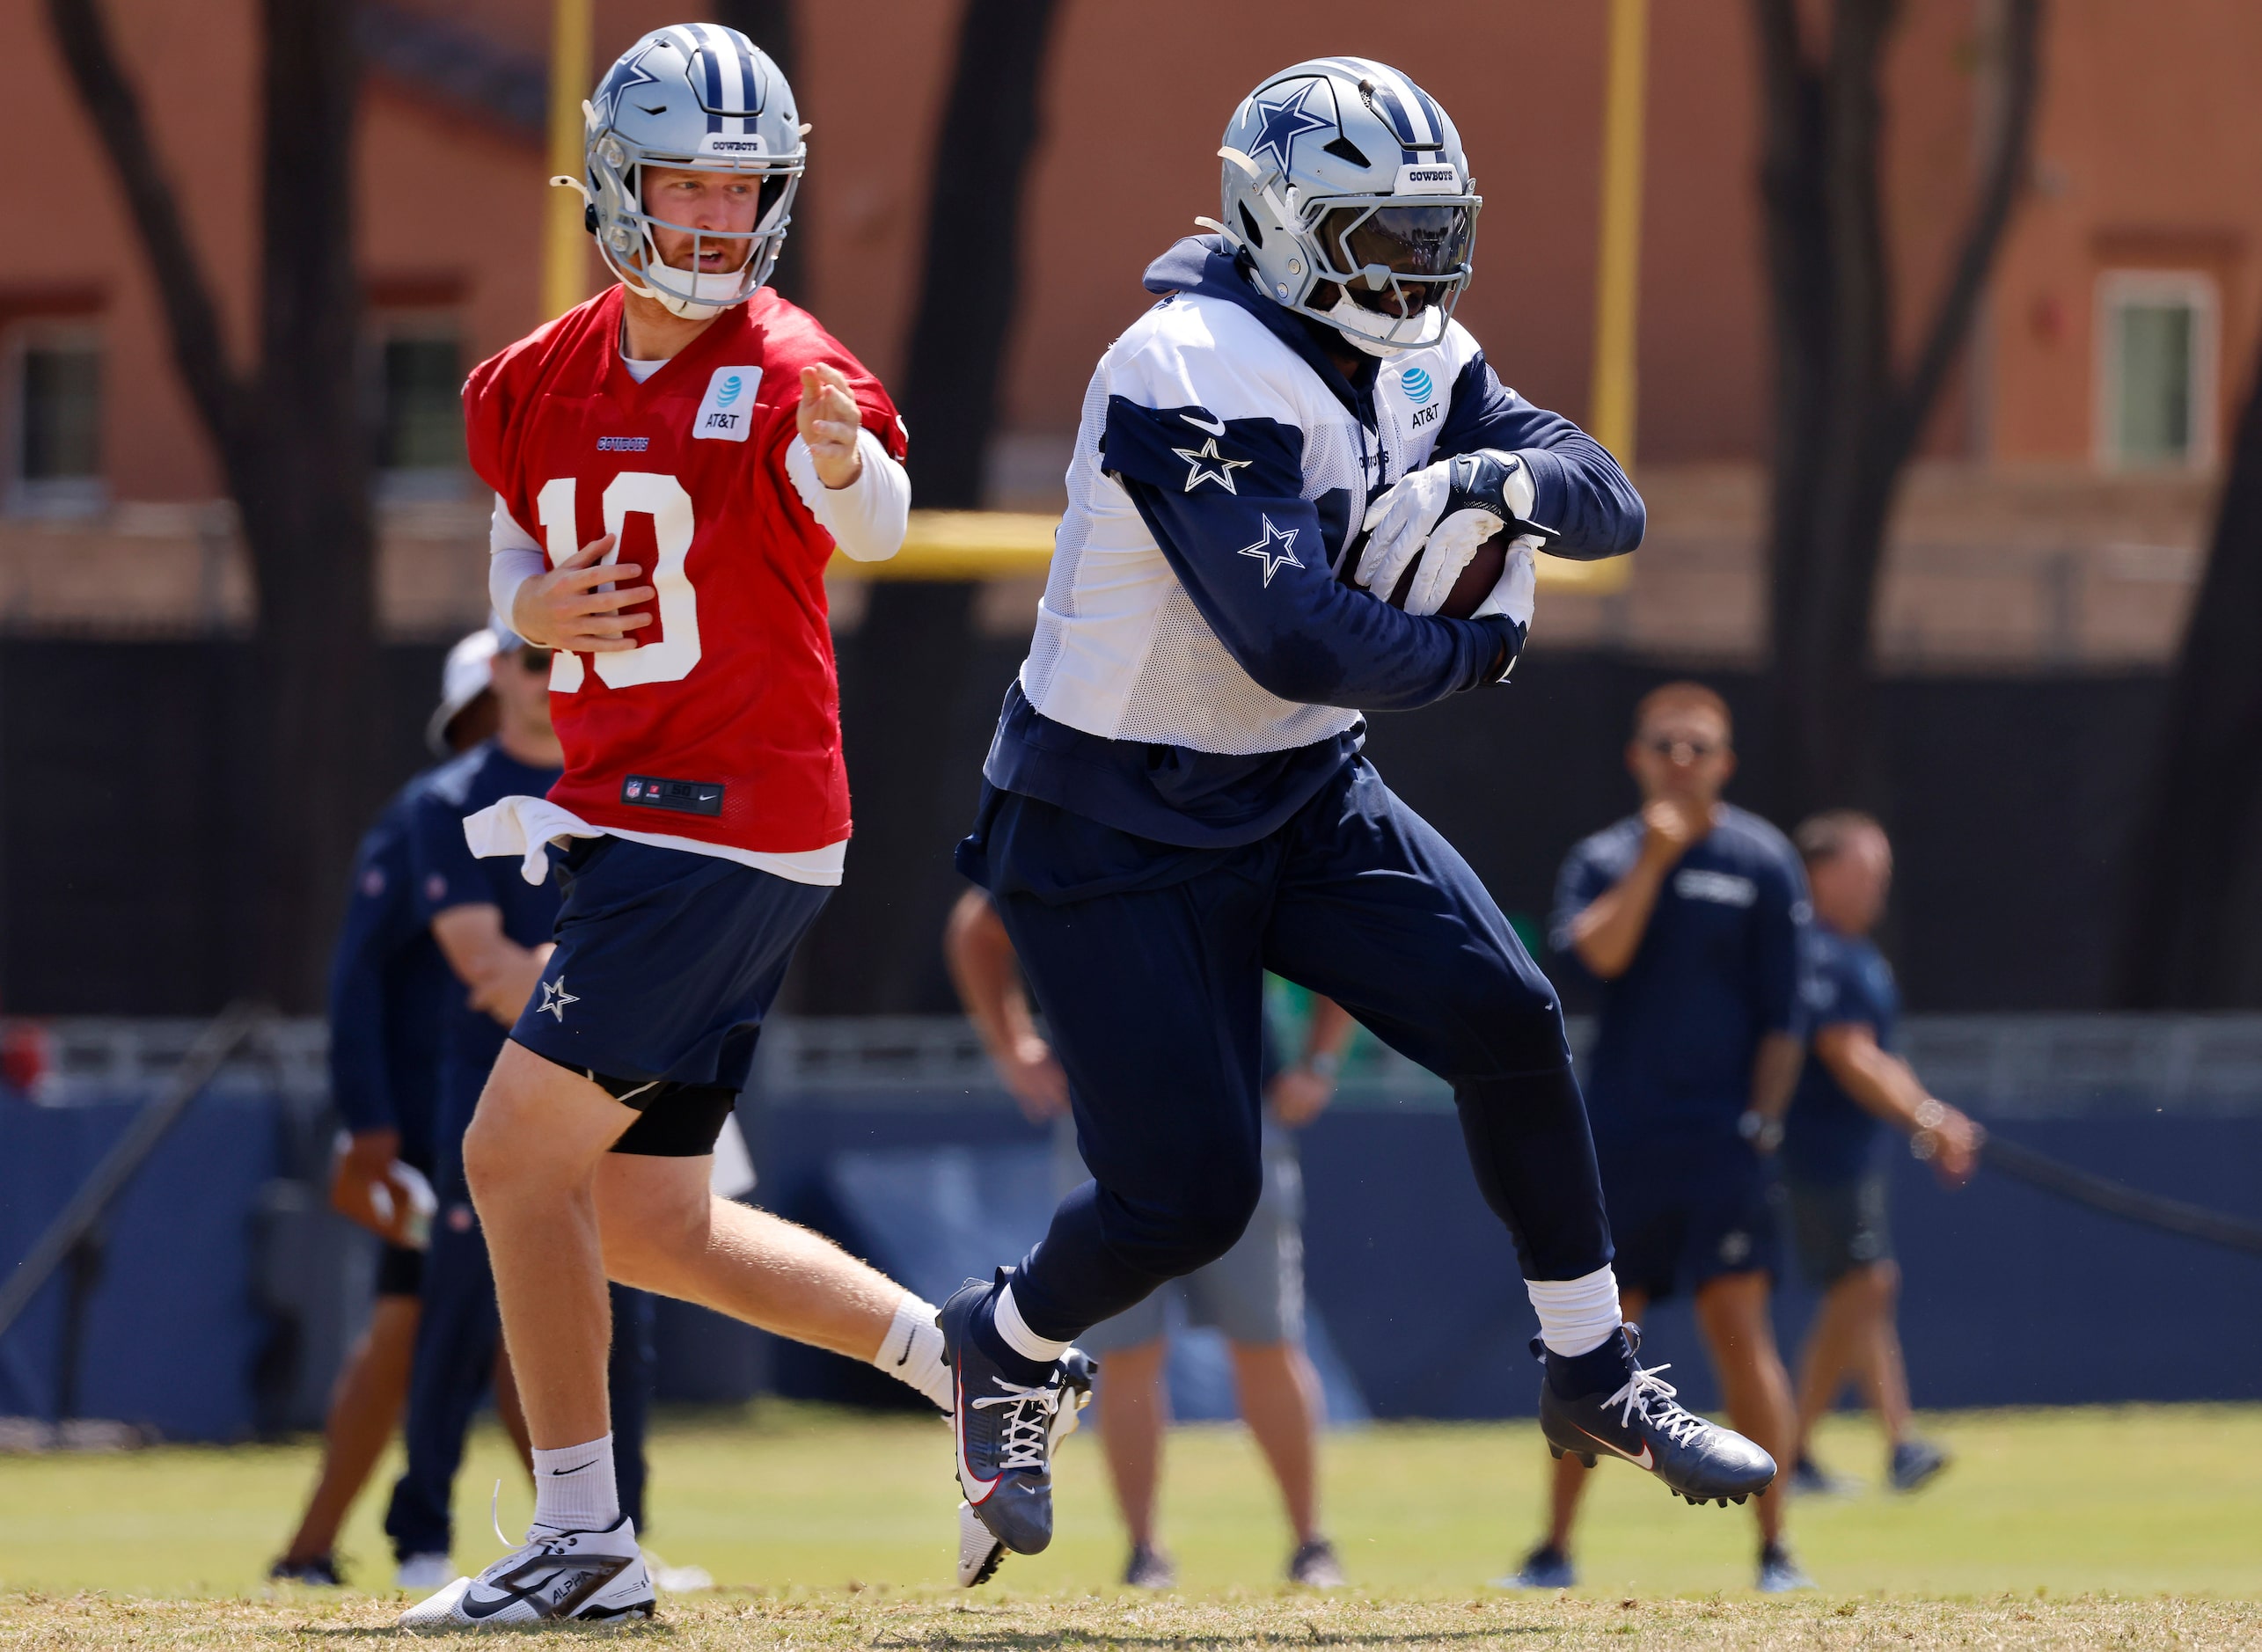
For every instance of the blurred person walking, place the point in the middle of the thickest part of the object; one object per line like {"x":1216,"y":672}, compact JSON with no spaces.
{"x":1691,"y":916}
{"x":388,"y":985}
{"x":1852,"y":1087}
{"x":494,"y":928}
{"x":1253,"y":1295}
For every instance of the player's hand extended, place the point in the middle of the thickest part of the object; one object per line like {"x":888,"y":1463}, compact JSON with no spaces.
{"x":576,"y":605}
{"x":829,"y":424}
{"x":1034,"y":1075}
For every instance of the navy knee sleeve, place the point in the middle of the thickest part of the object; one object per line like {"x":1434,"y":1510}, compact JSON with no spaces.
{"x":1104,"y":1253}
{"x":1533,"y":1156}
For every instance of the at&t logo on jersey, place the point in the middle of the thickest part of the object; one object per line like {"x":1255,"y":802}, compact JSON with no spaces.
{"x":727,"y":410}
{"x":1421,"y":390}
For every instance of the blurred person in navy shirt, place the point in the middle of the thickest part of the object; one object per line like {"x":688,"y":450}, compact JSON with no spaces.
{"x":1691,"y":916}
{"x":387,"y":985}
{"x":1852,"y":1087}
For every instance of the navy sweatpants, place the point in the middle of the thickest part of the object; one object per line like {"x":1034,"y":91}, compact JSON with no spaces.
{"x":458,"y":1333}
{"x":1148,"y":961}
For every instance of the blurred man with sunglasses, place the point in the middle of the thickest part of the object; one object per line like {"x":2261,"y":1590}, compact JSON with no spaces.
{"x":1692,"y":916}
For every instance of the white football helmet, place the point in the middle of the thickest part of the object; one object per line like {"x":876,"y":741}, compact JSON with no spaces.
{"x":705,"y":98}
{"x":1342,"y":172}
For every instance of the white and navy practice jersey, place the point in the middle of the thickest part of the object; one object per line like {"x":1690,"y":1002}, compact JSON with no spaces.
{"x":1197,"y":669}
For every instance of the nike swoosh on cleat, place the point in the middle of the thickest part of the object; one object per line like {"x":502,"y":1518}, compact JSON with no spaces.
{"x":968,"y":1480}
{"x":1215,"y":427}
{"x":1644,"y":1461}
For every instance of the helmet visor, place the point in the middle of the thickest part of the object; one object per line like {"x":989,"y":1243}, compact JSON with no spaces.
{"x":1387,"y":256}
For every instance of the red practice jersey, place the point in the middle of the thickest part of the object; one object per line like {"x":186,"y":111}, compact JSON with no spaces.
{"x":723,"y":724}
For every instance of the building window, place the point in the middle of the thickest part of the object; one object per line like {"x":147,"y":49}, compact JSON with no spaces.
{"x":2157,"y":378}
{"x":419,"y":414}
{"x":54,"y":420}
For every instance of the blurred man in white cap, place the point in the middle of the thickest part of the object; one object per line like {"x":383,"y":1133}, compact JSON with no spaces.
{"x":387,"y":982}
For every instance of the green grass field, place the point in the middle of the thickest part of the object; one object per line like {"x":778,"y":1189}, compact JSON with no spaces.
{"x":2115,"y":1509}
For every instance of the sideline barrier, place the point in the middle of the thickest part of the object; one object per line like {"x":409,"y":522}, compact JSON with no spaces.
{"x":229,"y":1287}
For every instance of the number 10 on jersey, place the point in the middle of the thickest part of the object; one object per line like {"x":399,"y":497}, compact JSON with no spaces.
{"x":632,"y":494}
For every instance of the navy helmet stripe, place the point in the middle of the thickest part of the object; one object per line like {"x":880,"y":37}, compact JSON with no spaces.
{"x":713,"y":59}
{"x":757,"y":91}
{"x":1394,"y":112}
{"x":1436,"y":116}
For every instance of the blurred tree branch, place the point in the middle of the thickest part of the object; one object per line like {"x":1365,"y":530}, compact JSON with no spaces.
{"x":291,"y":440}
{"x":2188,"y":926}
{"x":1847,"y":421}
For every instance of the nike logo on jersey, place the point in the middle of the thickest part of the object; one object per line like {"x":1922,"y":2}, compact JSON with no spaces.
{"x":1205,"y":463}
{"x":1215,"y":427}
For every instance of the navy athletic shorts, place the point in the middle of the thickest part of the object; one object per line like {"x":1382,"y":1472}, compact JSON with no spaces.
{"x":1685,"y":1208}
{"x":667,"y":961}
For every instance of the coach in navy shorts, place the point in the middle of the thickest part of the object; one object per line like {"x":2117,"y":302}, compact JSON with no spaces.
{"x":1853,"y":1087}
{"x":1691,"y":916}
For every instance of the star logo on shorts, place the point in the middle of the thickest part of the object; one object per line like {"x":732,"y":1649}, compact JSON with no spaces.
{"x":554,"y":999}
{"x":1205,"y":463}
{"x":1262,"y":550}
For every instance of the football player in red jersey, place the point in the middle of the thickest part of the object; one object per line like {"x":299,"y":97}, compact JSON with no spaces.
{"x":689,"y":448}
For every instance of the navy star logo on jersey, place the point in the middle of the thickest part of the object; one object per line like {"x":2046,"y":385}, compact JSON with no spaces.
{"x":1279,"y":124}
{"x":554,"y":999}
{"x":1273,"y":561}
{"x":1205,"y":463}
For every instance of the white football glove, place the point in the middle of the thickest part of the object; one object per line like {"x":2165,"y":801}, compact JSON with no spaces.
{"x":1441,"y":514}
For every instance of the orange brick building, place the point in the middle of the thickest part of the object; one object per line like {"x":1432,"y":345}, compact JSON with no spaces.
{"x":2055,"y":522}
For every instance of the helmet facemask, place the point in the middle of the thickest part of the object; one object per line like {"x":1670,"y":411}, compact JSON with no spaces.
{"x":1399,"y":265}
{"x":624,"y":228}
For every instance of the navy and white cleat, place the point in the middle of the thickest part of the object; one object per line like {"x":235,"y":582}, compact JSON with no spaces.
{"x":585,"y":1576}
{"x":1004,"y":1429}
{"x":1779,"y":1574}
{"x":1546,"y":1566}
{"x":1642,"y":1423}
{"x":1914,"y":1463}
{"x":980,"y":1550}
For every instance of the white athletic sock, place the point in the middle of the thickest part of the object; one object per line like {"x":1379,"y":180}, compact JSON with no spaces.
{"x":1015,"y":1334}
{"x":1577,"y":1316}
{"x":573,"y":1488}
{"x":911,"y":1351}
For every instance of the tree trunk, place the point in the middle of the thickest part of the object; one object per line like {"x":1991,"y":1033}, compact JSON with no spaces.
{"x":971,"y":282}
{"x":1845,"y":424}
{"x":904,"y":673}
{"x":2188,"y":928}
{"x":771,"y":25}
{"x":294,"y":447}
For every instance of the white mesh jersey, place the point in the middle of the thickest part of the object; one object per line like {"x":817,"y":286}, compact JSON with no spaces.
{"x":1120,"y":649}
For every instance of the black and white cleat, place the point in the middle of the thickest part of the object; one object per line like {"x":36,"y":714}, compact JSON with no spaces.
{"x":585,"y":1576}
{"x":1642,"y":1423}
{"x":981,"y":1551}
